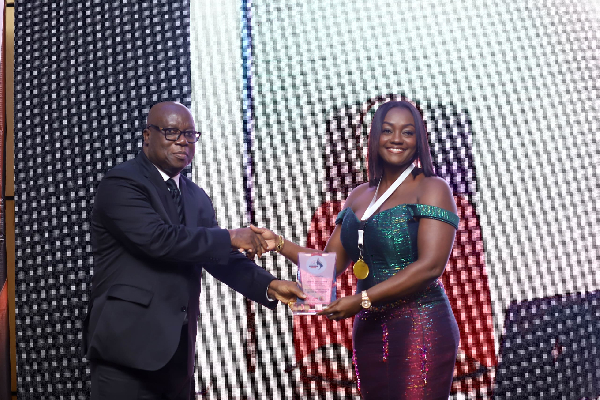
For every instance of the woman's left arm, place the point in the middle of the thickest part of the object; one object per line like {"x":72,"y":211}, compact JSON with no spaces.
{"x":434,"y":243}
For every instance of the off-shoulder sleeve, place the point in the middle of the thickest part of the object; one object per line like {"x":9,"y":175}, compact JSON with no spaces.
{"x":340,"y":216}
{"x":426,"y":211}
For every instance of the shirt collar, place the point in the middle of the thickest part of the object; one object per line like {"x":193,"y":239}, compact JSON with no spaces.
{"x":166,"y":177}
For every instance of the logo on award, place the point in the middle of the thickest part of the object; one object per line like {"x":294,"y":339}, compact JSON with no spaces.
{"x":315,"y":265}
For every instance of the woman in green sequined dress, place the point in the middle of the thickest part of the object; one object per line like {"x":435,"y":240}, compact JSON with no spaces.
{"x":405,"y":337}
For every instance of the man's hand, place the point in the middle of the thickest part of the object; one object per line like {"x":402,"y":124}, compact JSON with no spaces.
{"x":285,"y":291}
{"x":269,"y":236}
{"x":247,"y":240}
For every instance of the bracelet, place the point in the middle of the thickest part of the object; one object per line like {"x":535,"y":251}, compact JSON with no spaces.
{"x":280,"y":243}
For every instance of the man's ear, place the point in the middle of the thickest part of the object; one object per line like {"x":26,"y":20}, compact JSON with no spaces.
{"x":145,"y":135}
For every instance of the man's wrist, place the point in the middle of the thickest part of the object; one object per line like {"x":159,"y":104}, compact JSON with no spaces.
{"x":269,"y":288}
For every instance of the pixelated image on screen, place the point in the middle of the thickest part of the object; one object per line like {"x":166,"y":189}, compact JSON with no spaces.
{"x":284,"y":93}
{"x":508,"y":96}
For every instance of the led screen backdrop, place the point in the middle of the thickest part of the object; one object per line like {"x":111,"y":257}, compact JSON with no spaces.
{"x":283,"y":92}
{"x":509,"y":94}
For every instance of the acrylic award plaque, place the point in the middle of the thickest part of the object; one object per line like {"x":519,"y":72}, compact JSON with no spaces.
{"x":316,"y":277}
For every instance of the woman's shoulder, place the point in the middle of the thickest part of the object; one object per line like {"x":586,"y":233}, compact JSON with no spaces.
{"x":435,"y":191}
{"x":356,"y":193}
{"x":434,"y":183}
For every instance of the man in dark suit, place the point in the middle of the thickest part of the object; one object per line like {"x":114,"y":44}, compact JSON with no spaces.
{"x":153,"y":230}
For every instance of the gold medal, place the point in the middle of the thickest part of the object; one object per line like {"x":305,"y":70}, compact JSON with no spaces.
{"x":360,"y":269}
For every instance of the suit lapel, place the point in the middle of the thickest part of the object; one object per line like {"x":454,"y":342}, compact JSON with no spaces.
{"x":150,"y":171}
{"x":189,"y":203}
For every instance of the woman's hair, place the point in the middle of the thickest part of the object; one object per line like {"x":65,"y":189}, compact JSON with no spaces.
{"x":375,"y":167}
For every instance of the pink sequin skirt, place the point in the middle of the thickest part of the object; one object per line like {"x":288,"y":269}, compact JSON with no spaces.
{"x":406,"y":349}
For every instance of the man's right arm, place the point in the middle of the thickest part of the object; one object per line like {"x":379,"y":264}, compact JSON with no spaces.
{"x":126,"y":209}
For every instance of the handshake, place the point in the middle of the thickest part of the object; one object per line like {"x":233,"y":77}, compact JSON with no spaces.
{"x":253,"y":241}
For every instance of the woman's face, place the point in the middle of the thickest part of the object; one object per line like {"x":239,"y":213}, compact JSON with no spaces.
{"x":398,"y":140}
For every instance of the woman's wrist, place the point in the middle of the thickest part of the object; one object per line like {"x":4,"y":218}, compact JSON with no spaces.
{"x":280,"y":243}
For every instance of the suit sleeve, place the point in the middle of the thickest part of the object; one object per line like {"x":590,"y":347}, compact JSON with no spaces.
{"x":245,"y":277}
{"x":124,"y":208}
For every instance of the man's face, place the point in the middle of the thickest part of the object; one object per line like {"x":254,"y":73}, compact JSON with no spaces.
{"x":170,"y":156}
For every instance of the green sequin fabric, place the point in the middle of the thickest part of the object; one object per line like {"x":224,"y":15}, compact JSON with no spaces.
{"x":390,"y":238}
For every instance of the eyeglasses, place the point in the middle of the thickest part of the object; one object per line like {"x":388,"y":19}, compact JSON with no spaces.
{"x":173,"y":134}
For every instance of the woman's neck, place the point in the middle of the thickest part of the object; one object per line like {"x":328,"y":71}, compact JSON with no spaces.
{"x":390,"y":174}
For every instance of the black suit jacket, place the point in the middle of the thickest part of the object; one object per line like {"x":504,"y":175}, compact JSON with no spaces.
{"x":147,"y":267}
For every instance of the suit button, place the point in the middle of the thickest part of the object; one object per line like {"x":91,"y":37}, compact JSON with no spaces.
{"x":183,"y":309}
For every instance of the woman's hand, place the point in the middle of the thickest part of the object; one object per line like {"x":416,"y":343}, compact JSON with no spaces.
{"x":342,"y":308}
{"x":269,"y":236}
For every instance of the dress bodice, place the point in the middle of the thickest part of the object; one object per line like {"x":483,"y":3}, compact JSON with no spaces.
{"x":390,"y":238}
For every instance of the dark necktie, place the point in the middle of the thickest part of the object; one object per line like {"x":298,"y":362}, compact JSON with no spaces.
{"x":177,"y":198}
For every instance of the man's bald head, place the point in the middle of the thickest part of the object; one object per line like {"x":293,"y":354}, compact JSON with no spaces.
{"x":166,"y":109}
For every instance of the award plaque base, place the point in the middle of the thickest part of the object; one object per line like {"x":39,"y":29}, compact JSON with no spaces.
{"x":305,"y":309}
